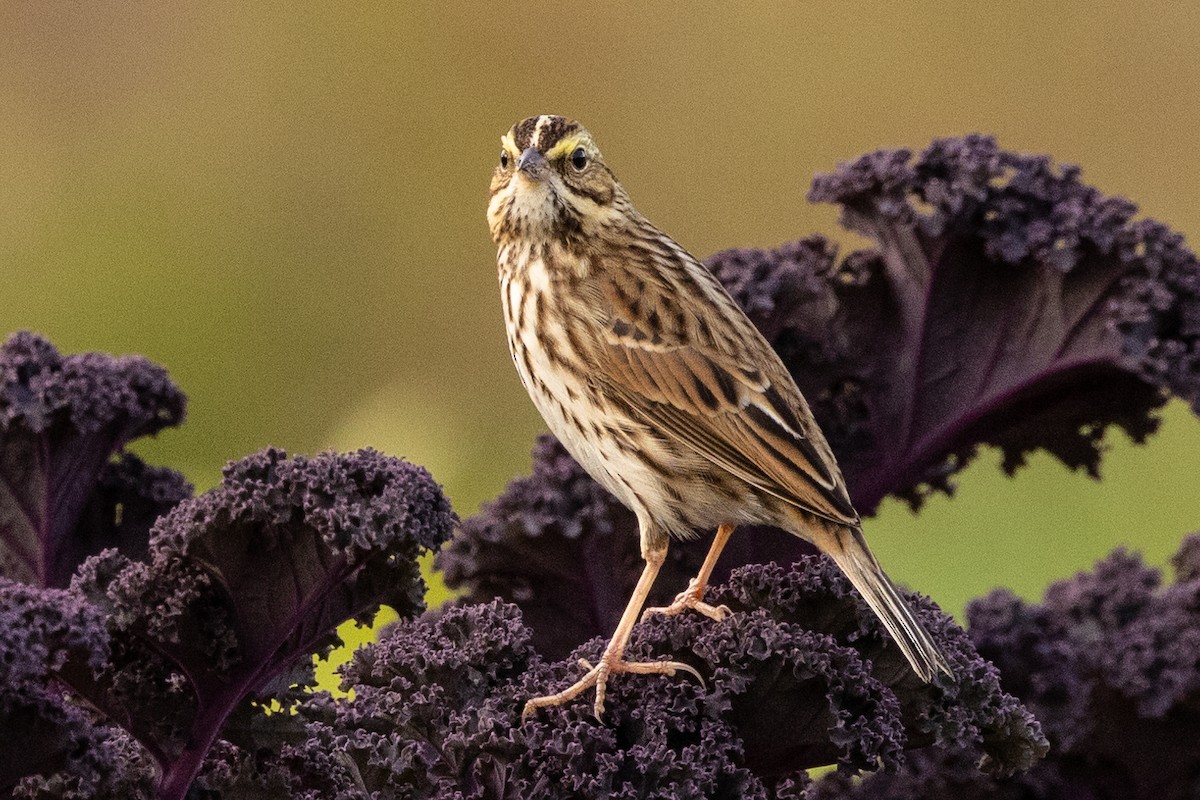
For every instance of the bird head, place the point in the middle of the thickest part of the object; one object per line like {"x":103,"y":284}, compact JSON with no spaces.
{"x":550,"y":180}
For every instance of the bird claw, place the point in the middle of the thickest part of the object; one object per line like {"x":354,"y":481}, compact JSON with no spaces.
{"x":668,"y":668}
{"x":597,"y":676}
{"x":690,"y":598}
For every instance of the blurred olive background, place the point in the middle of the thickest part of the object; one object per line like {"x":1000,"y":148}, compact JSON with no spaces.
{"x":283,"y":203}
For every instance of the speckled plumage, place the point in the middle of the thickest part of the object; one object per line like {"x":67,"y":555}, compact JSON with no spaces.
{"x":653,"y":378}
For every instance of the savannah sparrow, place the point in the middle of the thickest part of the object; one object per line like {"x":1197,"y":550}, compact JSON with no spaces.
{"x":660,"y":386}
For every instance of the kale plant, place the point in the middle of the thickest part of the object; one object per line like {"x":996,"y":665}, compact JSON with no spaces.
{"x":188,"y":612}
{"x":1109,"y":663}
{"x":144,"y":632}
{"x":1004,"y":303}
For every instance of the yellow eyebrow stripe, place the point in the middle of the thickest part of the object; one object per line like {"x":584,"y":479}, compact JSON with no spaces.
{"x":507,"y":142}
{"x":565,"y":146}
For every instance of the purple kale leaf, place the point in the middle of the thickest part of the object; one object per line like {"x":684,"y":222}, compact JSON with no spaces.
{"x":436,"y":709}
{"x":62,"y":419}
{"x":39,"y":630}
{"x":1004,"y":302}
{"x":814,"y":599}
{"x":1023,"y":308}
{"x":53,"y":747}
{"x":182,"y":613}
{"x":243,"y":584}
{"x":1109,"y":663}
{"x":129,"y":496}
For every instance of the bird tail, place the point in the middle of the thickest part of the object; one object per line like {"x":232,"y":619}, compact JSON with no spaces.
{"x":847,"y":547}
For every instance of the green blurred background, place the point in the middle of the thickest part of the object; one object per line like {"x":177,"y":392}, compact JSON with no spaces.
{"x":283,"y":203}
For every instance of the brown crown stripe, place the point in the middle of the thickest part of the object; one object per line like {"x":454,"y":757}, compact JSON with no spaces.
{"x":543,"y":132}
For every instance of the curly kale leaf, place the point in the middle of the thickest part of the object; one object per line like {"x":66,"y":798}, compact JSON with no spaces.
{"x":436,"y":709}
{"x":1108,"y":664}
{"x":62,"y":419}
{"x":52,"y":746}
{"x":1022,"y":307}
{"x":40,"y":629}
{"x":129,"y":496}
{"x":243,"y":584}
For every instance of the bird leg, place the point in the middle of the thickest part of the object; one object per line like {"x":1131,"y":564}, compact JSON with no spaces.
{"x":693,"y":596}
{"x":611,"y":662}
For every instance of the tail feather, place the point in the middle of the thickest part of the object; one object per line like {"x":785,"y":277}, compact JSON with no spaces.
{"x":847,"y":547}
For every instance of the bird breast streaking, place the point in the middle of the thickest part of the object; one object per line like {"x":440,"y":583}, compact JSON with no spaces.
{"x":659,"y":386}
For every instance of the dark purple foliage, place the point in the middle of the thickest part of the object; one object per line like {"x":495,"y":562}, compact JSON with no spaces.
{"x":41,"y":630}
{"x":51,"y":747}
{"x":62,"y":418}
{"x":1029,"y":311}
{"x":247,"y":581}
{"x":1005,"y":302}
{"x":1110,"y":665}
{"x":128,"y":497}
{"x":436,"y":710}
{"x":182,"y":612}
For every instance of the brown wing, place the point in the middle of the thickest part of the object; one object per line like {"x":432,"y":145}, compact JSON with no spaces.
{"x":745,"y":416}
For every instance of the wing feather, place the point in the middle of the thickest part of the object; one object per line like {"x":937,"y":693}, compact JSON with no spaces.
{"x":749,"y":421}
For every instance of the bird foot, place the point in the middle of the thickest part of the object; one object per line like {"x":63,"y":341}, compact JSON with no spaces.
{"x":597,"y":676}
{"x":690,"y":598}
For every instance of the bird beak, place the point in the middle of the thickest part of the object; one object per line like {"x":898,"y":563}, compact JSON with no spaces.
{"x":532,"y":163}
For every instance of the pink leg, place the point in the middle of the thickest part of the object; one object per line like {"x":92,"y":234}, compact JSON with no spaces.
{"x":693,"y":596}
{"x":611,"y":661}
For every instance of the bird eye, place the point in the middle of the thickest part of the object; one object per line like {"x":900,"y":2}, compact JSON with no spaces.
{"x":503,"y":159}
{"x":579,"y":159}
